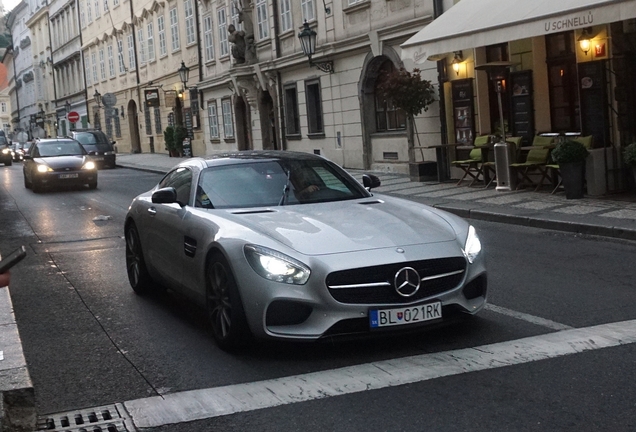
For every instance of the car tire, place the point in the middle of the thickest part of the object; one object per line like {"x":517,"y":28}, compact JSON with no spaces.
{"x":92,"y":185}
{"x":8,"y":163}
{"x":138,"y":275}
{"x":36,"y":187}
{"x":26,"y":183}
{"x":224,"y":307}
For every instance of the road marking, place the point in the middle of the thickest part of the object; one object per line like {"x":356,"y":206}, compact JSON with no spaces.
{"x":529,"y":318}
{"x":213,"y":402}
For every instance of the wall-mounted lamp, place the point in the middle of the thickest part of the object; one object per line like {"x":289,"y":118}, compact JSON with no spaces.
{"x":184,"y":74}
{"x":308,"y":43}
{"x":121,"y":110}
{"x":67,"y":106}
{"x":584,"y":40}
{"x":459,"y":57}
{"x":98,"y":98}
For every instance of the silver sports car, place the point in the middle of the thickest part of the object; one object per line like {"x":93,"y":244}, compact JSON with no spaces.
{"x":288,"y":245}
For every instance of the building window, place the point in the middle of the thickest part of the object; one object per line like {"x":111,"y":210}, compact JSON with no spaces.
{"x":105,"y":5}
{"x":88,"y":71}
{"x":94,"y":61}
{"x":213,"y":122}
{"x":3,"y":107}
{"x":117,"y":127}
{"x":285,"y":15}
{"x":131,"y":52}
{"x":352,"y":2}
{"x":209,"y":39}
{"x":189,"y":20}
{"x":292,"y":119}
{"x":147,"y":121}
{"x":141,"y":44}
{"x":228,"y":125}
{"x":261,"y":15}
{"x":223,"y":32}
{"x":235,"y":17}
{"x":109,"y":126}
{"x":150,"y":31}
{"x":111,"y":61}
{"x":115,"y":2}
{"x":387,"y":116}
{"x":562,"y":82}
{"x":98,"y":12}
{"x":314,"y":107}
{"x":307,"y":7}
{"x":496,"y":53}
{"x":82,"y":15}
{"x":120,"y":56}
{"x":174,"y":29}
{"x":158,"y":129}
{"x":161,"y":27}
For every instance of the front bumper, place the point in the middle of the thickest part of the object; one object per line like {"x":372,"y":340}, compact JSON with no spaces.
{"x":310,"y":311}
{"x":104,"y":160}
{"x":63,"y":178}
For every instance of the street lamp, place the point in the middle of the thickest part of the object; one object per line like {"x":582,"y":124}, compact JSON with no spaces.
{"x":184,"y":74}
{"x":459,"y":57}
{"x":584,"y":40}
{"x":308,"y":44}
{"x":98,"y":98}
{"x":67,"y":105}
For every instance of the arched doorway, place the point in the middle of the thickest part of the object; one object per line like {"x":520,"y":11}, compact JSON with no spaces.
{"x":243,"y":136}
{"x":133,"y":127}
{"x":267,"y":113}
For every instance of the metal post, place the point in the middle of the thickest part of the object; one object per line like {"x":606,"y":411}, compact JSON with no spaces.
{"x":502,"y":152}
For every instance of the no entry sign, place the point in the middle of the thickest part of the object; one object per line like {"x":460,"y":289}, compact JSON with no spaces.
{"x":73,"y":116}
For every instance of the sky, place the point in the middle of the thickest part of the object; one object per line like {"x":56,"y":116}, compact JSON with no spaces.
{"x":9,"y":4}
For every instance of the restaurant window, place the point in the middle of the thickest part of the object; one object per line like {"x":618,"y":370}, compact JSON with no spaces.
{"x":292,"y":120}
{"x":562,"y":82}
{"x":147,"y":120}
{"x":314,"y":107}
{"x":158,"y":129}
{"x":498,"y":53}
{"x":388,"y":117}
{"x":228,"y":125}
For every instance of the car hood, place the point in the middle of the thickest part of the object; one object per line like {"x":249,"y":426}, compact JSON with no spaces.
{"x":347,"y":226}
{"x":59,"y":162}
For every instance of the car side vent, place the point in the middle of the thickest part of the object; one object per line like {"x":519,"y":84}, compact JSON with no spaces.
{"x":254,"y":211}
{"x":372,"y":202}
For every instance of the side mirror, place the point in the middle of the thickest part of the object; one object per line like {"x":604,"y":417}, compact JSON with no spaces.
{"x":166,"y":195}
{"x":370,"y":181}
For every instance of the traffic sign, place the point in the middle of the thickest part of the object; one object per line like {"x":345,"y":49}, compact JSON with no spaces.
{"x":73,"y":116}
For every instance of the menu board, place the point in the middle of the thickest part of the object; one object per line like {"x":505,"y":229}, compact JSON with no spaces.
{"x":188,"y":122}
{"x":521,"y":106}
{"x":463,"y":117}
{"x":593,"y":94}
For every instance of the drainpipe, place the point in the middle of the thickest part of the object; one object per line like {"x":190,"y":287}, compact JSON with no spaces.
{"x":279,"y":83}
{"x":15,"y":79}
{"x":79,"y":21}
{"x":442,"y":73}
{"x":53,"y":70}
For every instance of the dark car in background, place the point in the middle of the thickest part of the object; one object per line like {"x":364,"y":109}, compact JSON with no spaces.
{"x":58,"y":162}
{"x":6,"y":153}
{"x":97,"y":145}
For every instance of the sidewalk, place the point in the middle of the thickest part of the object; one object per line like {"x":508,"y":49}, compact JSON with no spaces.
{"x":610,"y":216}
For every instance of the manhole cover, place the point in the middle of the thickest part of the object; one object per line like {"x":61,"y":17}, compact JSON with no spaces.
{"x":108,"y":418}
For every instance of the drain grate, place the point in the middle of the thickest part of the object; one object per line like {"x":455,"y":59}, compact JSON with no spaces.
{"x":108,"y":418}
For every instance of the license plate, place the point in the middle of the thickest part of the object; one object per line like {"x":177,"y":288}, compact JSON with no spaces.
{"x":98,"y":158}
{"x":69,"y":176}
{"x":406,"y":315}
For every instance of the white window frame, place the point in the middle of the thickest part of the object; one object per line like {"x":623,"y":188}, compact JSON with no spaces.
{"x":98,"y":13}
{"x":208,"y":38}
{"x":286,"y":22}
{"x":234,"y":12}
{"x":102,"y":64}
{"x":131,"y":52}
{"x":308,"y":10}
{"x":89,"y":13}
{"x":105,"y":5}
{"x":150,"y":32}
{"x":94,"y":61}
{"x":115,"y":2}
{"x":120,"y":56}
{"x":174,"y":29}
{"x":228,"y":124}
{"x":262,"y":19}
{"x":141,"y":45}
{"x":88,"y":71}
{"x":213,"y":120}
{"x":222,"y":23}
{"x":111,"y":61}
{"x":161,"y":33}
{"x":82,"y":15}
{"x":189,"y":22}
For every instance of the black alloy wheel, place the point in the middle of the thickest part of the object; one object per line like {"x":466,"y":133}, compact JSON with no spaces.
{"x":224,"y":306}
{"x":138,"y":276}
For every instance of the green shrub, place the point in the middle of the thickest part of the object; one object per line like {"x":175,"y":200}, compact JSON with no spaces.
{"x":569,"y":151}
{"x":630,"y":154}
{"x":168,"y":136}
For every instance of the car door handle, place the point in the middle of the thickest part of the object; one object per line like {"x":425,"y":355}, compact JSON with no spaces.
{"x":152,"y":211}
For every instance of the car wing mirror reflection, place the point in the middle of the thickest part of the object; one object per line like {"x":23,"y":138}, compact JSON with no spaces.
{"x":167,"y":195}
{"x":370,"y":181}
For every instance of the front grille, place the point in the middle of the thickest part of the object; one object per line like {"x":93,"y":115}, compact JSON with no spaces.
{"x":373,"y":285}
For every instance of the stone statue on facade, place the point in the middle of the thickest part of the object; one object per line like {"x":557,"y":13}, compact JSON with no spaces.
{"x":243,"y":46}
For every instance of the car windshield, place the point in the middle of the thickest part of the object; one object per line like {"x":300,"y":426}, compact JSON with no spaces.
{"x":271,"y":183}
{"x":60,"y":148}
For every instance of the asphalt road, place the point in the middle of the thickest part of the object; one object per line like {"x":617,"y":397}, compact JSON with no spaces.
{"x":90,"y":341}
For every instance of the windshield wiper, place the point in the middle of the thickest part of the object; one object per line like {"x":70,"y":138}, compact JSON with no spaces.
{"x":285,"y":190}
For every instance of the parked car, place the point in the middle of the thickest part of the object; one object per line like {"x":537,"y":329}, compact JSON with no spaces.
{"x":6,"y":153}
{"x":288,"y":245}
{"x":98,"y":146}
{"x":58,"y":162}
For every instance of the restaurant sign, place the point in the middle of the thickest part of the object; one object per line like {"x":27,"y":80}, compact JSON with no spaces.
{"x":152,"y":97}
{"x":569,"y":23}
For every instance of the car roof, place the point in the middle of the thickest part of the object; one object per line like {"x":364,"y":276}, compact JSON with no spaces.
{"x":257,"y":155}
{"x":54,"y":140}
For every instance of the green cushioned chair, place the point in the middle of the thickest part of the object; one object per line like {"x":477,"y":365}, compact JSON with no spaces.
{"x":543,"y":141}
{"x":587,"y":141}
{"x":536,"y":161}
{"x":472,"y":166}
{"x":489,"y":166}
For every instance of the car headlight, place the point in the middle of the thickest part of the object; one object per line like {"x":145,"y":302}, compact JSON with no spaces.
{"x":5,"y":151}
{"x":89,"y":165}
{"x":276,"y":266}
{"x":472,"y":248}
{"x":43,"y":168}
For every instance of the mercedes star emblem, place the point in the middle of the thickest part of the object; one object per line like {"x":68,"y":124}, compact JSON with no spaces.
{"x":407,"y":281}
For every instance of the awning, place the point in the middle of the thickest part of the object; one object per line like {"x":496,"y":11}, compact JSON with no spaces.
{"x":477,"y":23}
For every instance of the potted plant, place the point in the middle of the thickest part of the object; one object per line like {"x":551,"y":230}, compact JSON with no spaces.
{"x":180,"y":133}
{"x":571,"y":155}
{"x":168,"y":136}
{"x":629,"y":156}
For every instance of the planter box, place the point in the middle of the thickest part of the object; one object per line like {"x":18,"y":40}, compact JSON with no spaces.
{"x":423,"y":171}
